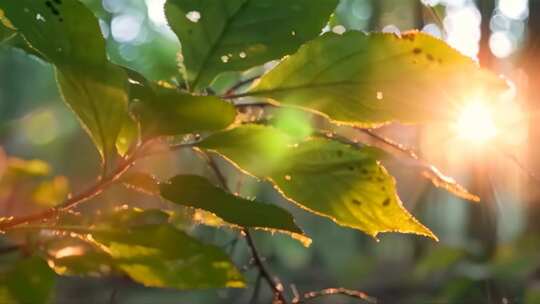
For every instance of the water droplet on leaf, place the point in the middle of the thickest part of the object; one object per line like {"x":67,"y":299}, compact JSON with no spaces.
{"x":193,"y":16}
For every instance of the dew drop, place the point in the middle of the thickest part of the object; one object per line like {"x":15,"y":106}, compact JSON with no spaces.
{"x":380,"y":95}
{"x":293,"y":33}
{"x":339,"y":29}
{"x":242,"y":55}
{"x":288,"y":177}
{"x":40,"y":17}
{"x":193,"y":16}
{"x":225,"y":58}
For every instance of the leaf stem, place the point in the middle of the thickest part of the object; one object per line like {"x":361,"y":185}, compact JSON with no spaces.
{"x":258,"y":260}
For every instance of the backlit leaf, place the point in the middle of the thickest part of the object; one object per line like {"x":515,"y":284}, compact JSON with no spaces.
{"x":219,"y":36}
{"x":370,"y":79}
{"x":331,"y":179}
{"x":198,"y":192}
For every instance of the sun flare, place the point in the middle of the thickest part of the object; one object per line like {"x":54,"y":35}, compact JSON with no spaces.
{"x":475,"y":123}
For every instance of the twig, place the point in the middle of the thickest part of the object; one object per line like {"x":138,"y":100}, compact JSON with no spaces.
{"x":435,"y":15}
{"x":9,"y":249}
{"x":278,"y":292}
{"x":257,"y":259}
{"x":74,"y":201}
{"x":336,"y":291}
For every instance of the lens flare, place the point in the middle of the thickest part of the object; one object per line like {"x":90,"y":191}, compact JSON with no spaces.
{"x":475,"y":123}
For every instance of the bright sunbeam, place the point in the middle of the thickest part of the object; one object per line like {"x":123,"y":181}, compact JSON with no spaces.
{"x":475,"y":123}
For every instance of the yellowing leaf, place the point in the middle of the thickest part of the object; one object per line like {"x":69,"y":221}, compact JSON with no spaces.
{"x":331,"y":179}
{"x":370,"y":79}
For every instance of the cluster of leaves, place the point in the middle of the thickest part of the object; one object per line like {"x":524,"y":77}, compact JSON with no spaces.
{"x":353,"y":79}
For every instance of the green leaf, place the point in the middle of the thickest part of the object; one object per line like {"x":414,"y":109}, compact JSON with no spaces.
{"x":232,"y":35}
{"x":31,"y":281}
{"x":331,"y":179}
{"x":198,"y":192}
{"x":67,"y":34}
{"x":370,"y":79}
{"x":150,"y":251}
{"x":165,"y":111}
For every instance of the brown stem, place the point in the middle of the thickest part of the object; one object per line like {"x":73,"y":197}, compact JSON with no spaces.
{"x":258,"y":261}
{"x":278,"y":292}
{"x":336,"y":291}
{"x":240,"y":84}
{"x":74,"y":201}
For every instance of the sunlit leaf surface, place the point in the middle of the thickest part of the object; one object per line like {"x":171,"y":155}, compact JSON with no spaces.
{"x":198,"y":192}
{"x":326,"y":177}
{"x":231,"y":35}
{"x":369,"y":79}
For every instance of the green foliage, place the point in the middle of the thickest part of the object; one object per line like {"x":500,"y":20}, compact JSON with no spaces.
{"x":356,"y":78}
{"x":370,"y":79}
{"x":219,"y":36}
{"x":197,"y":192}
{"x":68,"y":35}
{"x":30,"y":281}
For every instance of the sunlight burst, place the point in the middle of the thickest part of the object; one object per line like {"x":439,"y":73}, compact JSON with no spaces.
{"x":475,"y":123}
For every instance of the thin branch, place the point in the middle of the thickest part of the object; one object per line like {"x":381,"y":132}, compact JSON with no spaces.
{"x":101,"y":185}
{"x":336,"y":291}
{"x":438,"y":20}
{"x":278,"y":292}
{"x":72,"y":202}
{"x":257,"y":259}
{"x":9,"y":249}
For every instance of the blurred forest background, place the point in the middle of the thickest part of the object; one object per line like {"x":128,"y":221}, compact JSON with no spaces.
{"x":488,"y":252}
